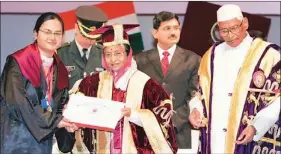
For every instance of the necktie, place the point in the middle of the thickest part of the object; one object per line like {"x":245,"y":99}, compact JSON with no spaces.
{"x":165,"y":62}
{"x":84,"y":58}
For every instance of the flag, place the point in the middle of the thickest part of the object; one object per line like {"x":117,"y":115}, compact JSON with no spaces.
{"x":117,"y":12}
{"x":199,"y":29}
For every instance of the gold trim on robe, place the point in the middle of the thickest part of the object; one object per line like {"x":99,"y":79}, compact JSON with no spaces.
{"x":240,"y":90}
{"x":133,"y":100}
{"x":104,"y":92}
{"x":205,"y":77}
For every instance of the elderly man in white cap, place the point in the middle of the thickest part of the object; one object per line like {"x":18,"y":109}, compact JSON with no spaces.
{"x":238,"y":105}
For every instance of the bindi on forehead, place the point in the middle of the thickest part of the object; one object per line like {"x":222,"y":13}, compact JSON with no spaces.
{"x":115,"y":48}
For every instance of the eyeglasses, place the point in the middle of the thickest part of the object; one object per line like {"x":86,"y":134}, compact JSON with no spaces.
{"x":234,"y":30}
{"x":50,"y":33}
{"x":117,"y":55}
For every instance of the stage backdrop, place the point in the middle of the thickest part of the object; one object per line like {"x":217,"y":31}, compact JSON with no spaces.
{"x":199,"y":30}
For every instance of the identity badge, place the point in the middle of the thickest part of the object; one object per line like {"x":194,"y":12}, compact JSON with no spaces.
{"x":46,"y":105}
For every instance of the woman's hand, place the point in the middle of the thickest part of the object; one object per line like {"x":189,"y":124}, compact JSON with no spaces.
{"x":65,"y":123}
{"x":64,"y":107}
{"x":126,"y":112}
{"x":72,"y":129}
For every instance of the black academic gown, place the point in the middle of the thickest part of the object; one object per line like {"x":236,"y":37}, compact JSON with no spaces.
{"x":25,"y":126}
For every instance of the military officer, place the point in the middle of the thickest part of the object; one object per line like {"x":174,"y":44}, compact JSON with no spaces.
{"x":82,"y":56}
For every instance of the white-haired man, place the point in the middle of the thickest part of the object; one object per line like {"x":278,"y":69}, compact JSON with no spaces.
{"x":237,"y":107}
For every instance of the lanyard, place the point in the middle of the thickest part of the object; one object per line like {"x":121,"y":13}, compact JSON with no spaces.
{"x":48,"y":72}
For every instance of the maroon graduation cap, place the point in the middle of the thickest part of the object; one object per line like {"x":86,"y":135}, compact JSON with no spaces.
{"x":114,"y":34}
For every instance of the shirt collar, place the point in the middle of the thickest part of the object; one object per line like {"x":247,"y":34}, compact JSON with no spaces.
{"x":47,"y":61}
{"x":80,"y":48}
{"x":171,"y":50}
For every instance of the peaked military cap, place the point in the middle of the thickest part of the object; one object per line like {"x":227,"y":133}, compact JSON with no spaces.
{"x":90,"y":18}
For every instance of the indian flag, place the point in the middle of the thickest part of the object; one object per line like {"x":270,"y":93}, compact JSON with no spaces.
{"x":118,"y":12}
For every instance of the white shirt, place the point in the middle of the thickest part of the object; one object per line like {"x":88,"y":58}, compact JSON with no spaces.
{"x":46,"y":61}
{"x":171,"y":51}
{"x":227,"y":63}
{"x":80,"y":48}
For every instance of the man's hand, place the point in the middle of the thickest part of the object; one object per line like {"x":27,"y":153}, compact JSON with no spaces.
{"x":247,"y":135}
{"x":195,"y":120}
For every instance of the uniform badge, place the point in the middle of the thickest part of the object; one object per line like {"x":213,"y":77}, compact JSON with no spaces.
{"x":259,"y":79}
{"x":70,"y":69}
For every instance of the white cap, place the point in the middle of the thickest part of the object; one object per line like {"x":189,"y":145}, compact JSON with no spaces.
{"x":228,"y":11}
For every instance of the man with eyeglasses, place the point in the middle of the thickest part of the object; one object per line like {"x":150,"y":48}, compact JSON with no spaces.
{"x":82,"y":56}
{"x":237,"y":107}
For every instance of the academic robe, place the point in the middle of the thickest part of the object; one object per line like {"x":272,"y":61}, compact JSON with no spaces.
{"x":256,"y":88}
{"x":26,"y":127}
{"x":158,"y":123}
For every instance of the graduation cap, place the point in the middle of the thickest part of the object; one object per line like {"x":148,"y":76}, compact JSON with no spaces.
{"x":114,"y":34}
{"x":90,"y":18}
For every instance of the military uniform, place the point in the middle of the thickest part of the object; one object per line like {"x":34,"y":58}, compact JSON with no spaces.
{"x":77,"y":69}
{"x":89,"y":18}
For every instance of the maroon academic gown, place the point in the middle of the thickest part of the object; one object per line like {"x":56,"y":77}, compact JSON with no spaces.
{"x":153,"y":94}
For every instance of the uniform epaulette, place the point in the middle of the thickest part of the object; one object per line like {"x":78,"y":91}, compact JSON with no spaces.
{"x":99,"y":46}
{"x":66,"y":44}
